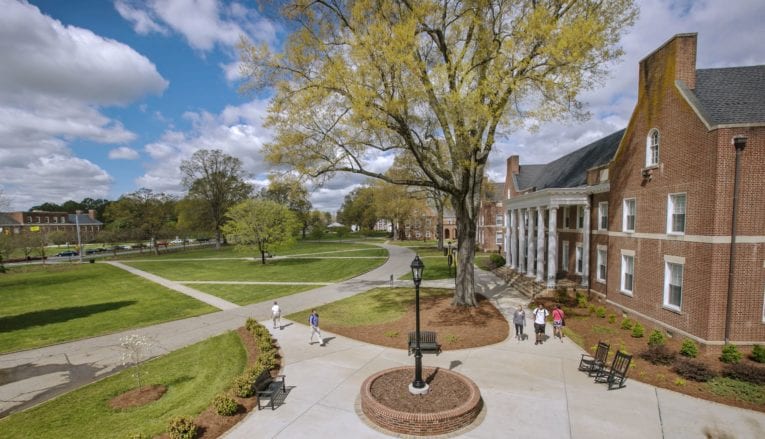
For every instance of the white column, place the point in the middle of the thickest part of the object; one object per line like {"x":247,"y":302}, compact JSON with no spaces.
{"x":512,"y":248}
{"x":586,"y":247}
{"x":540,"y":244}
{"x":522,"y":226}
{"x":552,"y":246}
{"x":530,"y":244}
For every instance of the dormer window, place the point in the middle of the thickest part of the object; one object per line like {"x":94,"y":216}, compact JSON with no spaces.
{"x":652,"y":148}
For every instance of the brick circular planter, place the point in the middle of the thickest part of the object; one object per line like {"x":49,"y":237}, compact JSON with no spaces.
{"x":421,"y":424}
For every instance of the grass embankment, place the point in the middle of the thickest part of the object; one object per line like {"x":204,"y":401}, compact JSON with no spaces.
{"x":193,"y":376}
{"x":43,"y":305}
{"x":247,"y":294}
{"x":376,"y":306}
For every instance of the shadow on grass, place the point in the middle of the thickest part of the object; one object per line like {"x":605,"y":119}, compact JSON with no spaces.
{"x":58,"y":315}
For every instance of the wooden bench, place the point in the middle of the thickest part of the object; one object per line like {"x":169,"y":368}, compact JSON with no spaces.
{"x":428,"y":343}
{"x":594,"y":364}
{"x":269,"y":387}
{"x":616,"y":375}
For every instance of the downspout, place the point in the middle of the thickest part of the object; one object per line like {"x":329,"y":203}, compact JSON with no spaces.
{"x":589,"y":248}
{"x":739,"y":142}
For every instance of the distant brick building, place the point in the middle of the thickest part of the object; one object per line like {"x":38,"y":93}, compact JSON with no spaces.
{"x":645,"y":216}
{"x":35,"y":221}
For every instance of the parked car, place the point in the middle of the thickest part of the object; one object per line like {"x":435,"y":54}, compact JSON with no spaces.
{"x":91,"y":251}
{"x":68,"y":253}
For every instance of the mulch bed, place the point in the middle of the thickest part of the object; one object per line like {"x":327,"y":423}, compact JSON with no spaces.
{"x":138,"y":397}
{"x":458,"y":327}
{"x":446,"y":392}
{"x":592,"y":329}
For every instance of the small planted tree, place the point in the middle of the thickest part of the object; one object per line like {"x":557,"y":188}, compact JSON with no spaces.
{"x":263,"y":225}
{"x":137,"y":349}
{"x":689,"y":348}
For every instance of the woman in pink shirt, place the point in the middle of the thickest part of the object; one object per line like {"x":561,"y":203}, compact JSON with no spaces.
{"x":559,"y":318}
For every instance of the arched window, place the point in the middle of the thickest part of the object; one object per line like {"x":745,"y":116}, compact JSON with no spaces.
{"x":652,"y":148}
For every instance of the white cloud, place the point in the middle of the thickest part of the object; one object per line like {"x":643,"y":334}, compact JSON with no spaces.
{"x":203,"y":23}
{"x":123,"y":153}
{"x":53,"y":81}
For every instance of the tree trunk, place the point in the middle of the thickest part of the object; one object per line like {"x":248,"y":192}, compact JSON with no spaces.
{"x":464,"y":293}
{"x":440,"y":225}
{"x":217,"y":239}
{"x":263,"y":257}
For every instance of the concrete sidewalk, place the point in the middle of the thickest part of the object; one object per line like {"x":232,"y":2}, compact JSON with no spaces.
{"x":528,"y":391}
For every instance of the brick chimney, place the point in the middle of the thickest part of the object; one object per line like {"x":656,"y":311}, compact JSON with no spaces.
{"x":513,"y":167}
{"x":92,"y":214}
{"x":674,"y":60}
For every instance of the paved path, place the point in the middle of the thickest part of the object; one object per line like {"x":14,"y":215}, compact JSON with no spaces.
{"x":528,"y":390}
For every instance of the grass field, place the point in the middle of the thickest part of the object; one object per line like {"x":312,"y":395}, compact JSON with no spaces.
{"x":275,"y":270}
{"x":229,"y":251}
{"x":193,"y":376}
{"x":247,"y":294}
{"x":40,"y":305}
{"x":379,"y":305}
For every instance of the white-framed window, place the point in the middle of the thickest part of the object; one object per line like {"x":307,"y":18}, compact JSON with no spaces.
{"x":500,"y":220}
{"x":579,"y":217}
{"x":566,"y":218}
{"x":673,"y":283}
{"x":564,"y":255}
{"x":652,"y":148}
{"x":602,"y":260}
{"x":499,"y":238}
{"x":29,"y":219}
{"x":579,"y":258}
{"x":63,"y":219}
{"x":628,"y":215}
{"x":603,"y":215}
{"x":603,"y":175}
{"x":55,"y":220}
{"x":676,"y":214}
{"x":627,"y":271}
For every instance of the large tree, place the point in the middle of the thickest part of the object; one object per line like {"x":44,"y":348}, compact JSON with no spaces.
{"x":264,"y":225}
{"x":293,"y":194}
{"x":143,"y":214}
{"x":361,"y":79}
{"x":394,"y":203}
{"x":218,"y":180}
{"x":359,"y":208}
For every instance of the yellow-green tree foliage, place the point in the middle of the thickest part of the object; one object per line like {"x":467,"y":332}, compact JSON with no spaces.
{"x":361,"y":79}
{"x":263,"y":225}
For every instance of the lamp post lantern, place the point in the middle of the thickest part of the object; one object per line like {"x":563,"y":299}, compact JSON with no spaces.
{"x":418,"y":386}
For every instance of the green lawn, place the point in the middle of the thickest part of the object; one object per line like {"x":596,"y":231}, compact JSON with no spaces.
{"x":301,"y":248}
{"x":435,"y":268}
{"x":247,"y":294}
{"x":276,"y":270}
{"x":376,"y":306}
{"x":193,"y":376}
{"x":41,"y":306}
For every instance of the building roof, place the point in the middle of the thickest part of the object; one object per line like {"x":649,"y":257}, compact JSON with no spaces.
{"x":84,"y":219}
{"x":5,"y":220}
{"x":571,"y":169}
{"x":732,"y":95}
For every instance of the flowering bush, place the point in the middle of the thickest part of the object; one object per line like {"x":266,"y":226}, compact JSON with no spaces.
{"x":137,"y":349}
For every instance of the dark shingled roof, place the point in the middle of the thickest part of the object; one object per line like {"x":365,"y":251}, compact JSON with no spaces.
{"x":571,"y":169}
{"x":7,"y":220}
{"x":732,"y":95}
{"x":84,"y":219}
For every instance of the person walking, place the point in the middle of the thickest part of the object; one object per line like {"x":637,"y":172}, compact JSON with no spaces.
{"x":276,"y":315}
{"x":519,"y":320}
{"x":313,"y":320}
{"x":559,"y":319}
{"x":540,"y":315}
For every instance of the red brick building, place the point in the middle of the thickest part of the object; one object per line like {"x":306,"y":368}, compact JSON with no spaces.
{"x":646,"y":217}
{"x":16,"y":223}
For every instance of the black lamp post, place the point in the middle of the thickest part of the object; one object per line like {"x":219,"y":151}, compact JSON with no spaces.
{"x":418,"y":385}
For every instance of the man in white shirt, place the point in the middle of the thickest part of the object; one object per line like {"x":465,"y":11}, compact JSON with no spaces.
{"x":276,"y":315}
{"x":540,"y":314}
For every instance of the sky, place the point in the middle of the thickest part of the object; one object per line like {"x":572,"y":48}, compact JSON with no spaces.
{"x":100,"y":98}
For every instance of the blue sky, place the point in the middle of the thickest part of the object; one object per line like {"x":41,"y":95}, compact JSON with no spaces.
{"x":99,"y":98}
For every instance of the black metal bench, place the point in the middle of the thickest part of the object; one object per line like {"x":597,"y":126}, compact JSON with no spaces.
{"x":594,"y":364}
{"x":269,"y":387}
{"x":428,"y":343}
{"x":616,"y":375}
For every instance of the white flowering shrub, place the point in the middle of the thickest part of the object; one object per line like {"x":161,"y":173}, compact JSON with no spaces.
{"x":136,"y":349}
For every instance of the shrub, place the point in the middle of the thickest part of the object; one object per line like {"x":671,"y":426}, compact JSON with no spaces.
{"x":627,"y":324}
{"x":581,"y":300}
{"x":689,"y":348}
{"x":225,"y":405}
{"x":591,"y":308}
{"x":637,"y":330}
{"x":758,"y":353}
{"x":730,"y":354}
{"x":600,"y":312}
{"x":242,"y":386}
{"x":266,"y":361}
{"x":496,"y":260}
{"x":694,"y":370}
{"x":740,"y":390}
{"x":391,"y":334}
{"x":656,"y":338}
{"x":658,"y":354}
{"x":182,"y":427}
{"x":612,"y":319}
{"x":745,"y":372}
